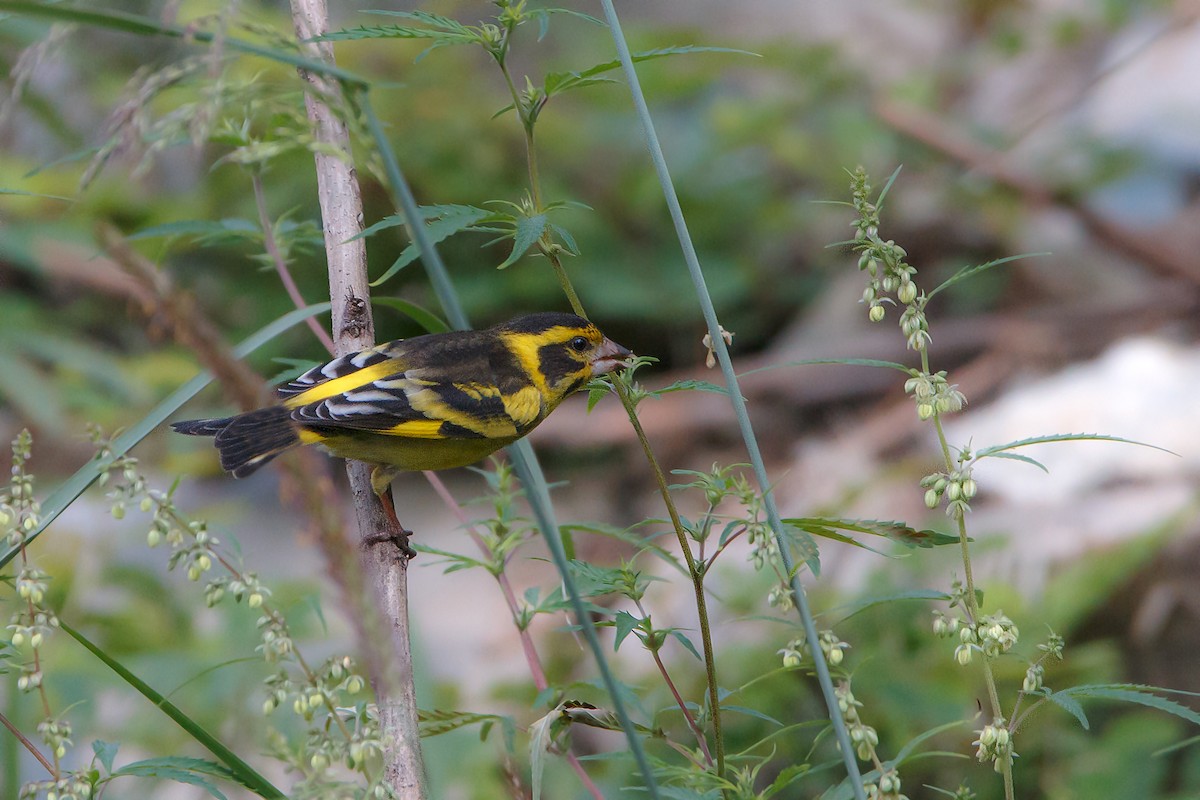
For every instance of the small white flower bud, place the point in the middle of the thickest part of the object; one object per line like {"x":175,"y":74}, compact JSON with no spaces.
{"x":924,"y":411}
{"x":931,"y":499}
{"x":876,"y":314}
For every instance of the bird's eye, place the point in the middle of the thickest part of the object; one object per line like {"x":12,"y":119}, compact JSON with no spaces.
{"x":579,"y":344}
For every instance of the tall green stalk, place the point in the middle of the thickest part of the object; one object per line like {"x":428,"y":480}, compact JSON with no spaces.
{"x":739,"y":403}
{"x":546,"y":245}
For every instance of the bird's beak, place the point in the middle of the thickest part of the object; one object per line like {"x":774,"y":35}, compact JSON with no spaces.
{"x":609,"y":356}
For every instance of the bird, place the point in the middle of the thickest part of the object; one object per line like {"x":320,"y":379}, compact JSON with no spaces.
{"x":430,"y":402}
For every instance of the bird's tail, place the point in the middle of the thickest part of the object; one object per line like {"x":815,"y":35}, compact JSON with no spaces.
{"x":246,"y":441}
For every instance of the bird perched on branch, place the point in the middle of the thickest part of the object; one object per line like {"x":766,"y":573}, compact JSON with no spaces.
{"x":427,"y":403}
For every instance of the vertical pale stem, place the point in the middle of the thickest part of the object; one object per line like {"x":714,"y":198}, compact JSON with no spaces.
{"x":380,"y":610}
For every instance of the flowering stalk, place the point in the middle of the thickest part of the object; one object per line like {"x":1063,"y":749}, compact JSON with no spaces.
{"x":890,"y":281}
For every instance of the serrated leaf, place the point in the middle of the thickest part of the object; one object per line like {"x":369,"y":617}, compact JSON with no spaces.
{"x":1069,"y":704}
{"x":442,"y":30}
{"x":786,"y":777}
{"x":896,"y":531}
{"x":971,"y":271}
{"x":192,"y":771}
{"x":691,"y":385}
{"x":1132,"y":693}
{"x":445,"y":221}
{"x":435,"y":722}
{"x":105,"y":753}
{"x":426,"y":319}
{"x":528,"y":231}
{"x":457,"y":561}
{"x":206,"y":229}
{"x":1064,"y":437}
{"x":559,"y":82}
{"x":625,"y":623}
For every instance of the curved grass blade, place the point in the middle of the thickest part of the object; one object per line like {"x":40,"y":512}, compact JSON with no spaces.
{"x":696,"y":273}
{"x":239,"y":770}
{"x":1064,"y":437}
{"x":74,"y":486}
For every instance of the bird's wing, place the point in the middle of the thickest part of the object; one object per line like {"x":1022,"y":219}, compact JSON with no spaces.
{"x":397,"y":389}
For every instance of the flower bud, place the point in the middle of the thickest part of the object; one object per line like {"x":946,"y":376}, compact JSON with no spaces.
{"x":118,"y":511}
{"x":18,"y":639}
{"x":969,"y":488}
{"x":146,"y":505}
{"x":924,"y":411}
{"x":876,"y":314}
{"x":907,"y":292}
{"x":954,"y":490}
{"x":354,"y":685}
{"x":931,"y":499}
{"x":318,"y":761}
{"x":963,"y":654}
{"x":35,"y":641}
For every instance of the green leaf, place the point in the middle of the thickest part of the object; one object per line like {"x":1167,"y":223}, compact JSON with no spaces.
{"x":428,"y":320}
{"x":233,"y":229}
{"x":238,"y":770}
{"x":436,"y":722}
{"x":858,"y":606}
{"x":846,"y":362}
{"x":105,"y":753}
{"x":568,"y":240}
{"x":687,"y":643}
{"x":625,"y":624}
{"x":896,"y":531}
{"x":194,"y":771}
{"x":750,"y":712}
{"x":912,"y":744}
{"x":442,"y":31}
{"x":887,"y":187}
{"x":971,"y":271}
{"x":74,"y":486}
{"x":691,"y":385}
{"x":1070,"y":704}
{"x":1133,"y":693}
{"x":529,"y":230}
{"x":1063,"y":437}
{"x":1019,"y":457}
{"x":559,"y":82}
{"x":443,"y":221}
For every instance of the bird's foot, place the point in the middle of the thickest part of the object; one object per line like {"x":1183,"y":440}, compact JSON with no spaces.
{"x":399,"y":539}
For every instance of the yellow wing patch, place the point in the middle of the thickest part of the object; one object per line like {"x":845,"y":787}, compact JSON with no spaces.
{"x":524,"y":407}
{"x":416,"y":429}
{"x":346,"y":383}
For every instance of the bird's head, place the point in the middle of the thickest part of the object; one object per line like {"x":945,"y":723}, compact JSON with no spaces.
{"x":561,"y":351}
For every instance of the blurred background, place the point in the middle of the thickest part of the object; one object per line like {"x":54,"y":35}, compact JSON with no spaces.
{"x":1066,"y":130}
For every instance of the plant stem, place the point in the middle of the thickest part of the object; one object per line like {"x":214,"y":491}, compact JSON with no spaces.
{"x":527,"y":645}
{"x":281,"y":267}
{"x":704,"y":297}
{"x":697,"y":574}
{"x":30,"y":746}
{"x":687,"y":714}
{"x":380,"y":605}
{"x":972,"y":609}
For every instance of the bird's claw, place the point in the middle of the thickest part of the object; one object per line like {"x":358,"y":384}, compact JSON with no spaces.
{"x":399,"y":539}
